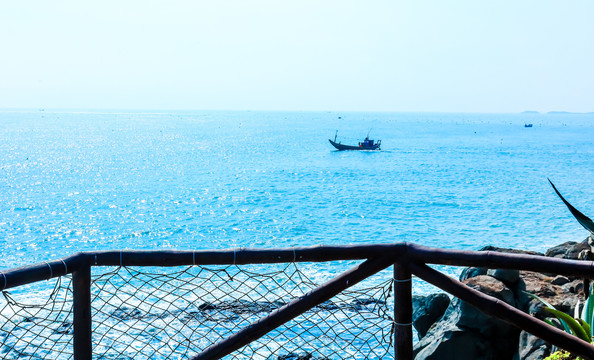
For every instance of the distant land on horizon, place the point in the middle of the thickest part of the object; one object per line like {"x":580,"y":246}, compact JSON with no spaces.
{"x":558,"y":112}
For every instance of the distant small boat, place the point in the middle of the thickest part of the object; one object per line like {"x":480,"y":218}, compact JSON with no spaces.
{"x":366,"y":144}
{"x":527,"y":125}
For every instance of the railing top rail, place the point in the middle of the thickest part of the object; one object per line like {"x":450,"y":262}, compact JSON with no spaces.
{"x":241,"y":256}
{"x":399,"y":251}
{"x":41,"y":271}
{"x":501,"y":260}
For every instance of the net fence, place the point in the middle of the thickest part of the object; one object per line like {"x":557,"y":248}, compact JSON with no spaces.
{"x":175,"y":313}
{"x":37,"y":326}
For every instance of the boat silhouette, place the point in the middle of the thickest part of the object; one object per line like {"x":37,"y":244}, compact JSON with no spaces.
{"x":366,"y":144}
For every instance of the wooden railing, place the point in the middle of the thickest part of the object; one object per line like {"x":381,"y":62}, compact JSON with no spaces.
{"x":408,"y":259}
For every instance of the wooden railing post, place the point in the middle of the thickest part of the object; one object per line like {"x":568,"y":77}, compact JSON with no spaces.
{"x":403,"y":341}
{"x":81,"y":283}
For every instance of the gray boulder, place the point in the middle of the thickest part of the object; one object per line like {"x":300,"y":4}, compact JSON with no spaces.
{"x":427,"y":310}
{"x":531,"y":348}
{"x":464,"y":332}
{"x":560,"y":280}
{"x":568,"y":250}
{"x":509,"y":277}
{"x":450,"y":342}
{"x":471,"y":272}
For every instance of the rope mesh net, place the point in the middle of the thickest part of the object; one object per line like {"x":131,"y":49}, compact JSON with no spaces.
{"x":37,"y":326}
{"x":175,"y":313}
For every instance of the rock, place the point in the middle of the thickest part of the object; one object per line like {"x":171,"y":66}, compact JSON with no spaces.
{"x":560,"y":280}
{"x":126,"y":313}
{"x":206,"y":306}
{"x":470,"y":272}
{"x":509,"y":277}
{"x":531,"y":348}
{"x":427,"y":310}
{"x":465,"y":332}
{"x":493,"y":287}
{"x":560,"y":250}
{"x":574,"y":287}
{"x":294,"y":356}
{"x":510,"y":251}
{"x":568,"y":250}
{"x":542,"y":286}
{"x":451,"y":343}
{"x":65,"y":329}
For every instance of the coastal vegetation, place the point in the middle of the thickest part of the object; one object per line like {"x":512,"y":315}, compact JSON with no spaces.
{"x":562,"y":355}
{"x":579,"y":325}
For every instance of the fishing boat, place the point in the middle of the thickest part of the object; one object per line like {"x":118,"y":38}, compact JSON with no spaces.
{"x":366,"y":144}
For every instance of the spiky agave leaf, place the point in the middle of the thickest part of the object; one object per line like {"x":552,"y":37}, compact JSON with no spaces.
{"x":576,"y":311}
{"x":534,"y":296}
{"x":549,"y":306}
{"x":586,"y":327}
{"x":588,"y":312}
{"x":585,"y":221}
{"x":574,"y":325}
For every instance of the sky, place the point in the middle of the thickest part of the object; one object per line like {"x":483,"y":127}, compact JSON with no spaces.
{"x":306,"y":55}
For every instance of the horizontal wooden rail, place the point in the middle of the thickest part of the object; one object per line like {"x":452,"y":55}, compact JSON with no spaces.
{"x":242,"y":256}
{"x":41,"y":271}
{"x":501,"y":260}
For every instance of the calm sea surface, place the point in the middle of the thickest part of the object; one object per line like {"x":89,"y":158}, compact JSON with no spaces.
{"x":73,"y":181}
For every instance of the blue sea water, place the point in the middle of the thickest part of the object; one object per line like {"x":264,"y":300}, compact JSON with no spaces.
{"x":74,"y":181}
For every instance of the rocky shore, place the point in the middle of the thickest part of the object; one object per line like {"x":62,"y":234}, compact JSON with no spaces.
{"x":456,"y":330}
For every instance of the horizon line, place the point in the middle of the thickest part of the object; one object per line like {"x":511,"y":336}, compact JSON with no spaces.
{"x":165,"y":110}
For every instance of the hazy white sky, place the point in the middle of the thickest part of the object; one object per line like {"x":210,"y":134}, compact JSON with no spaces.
{"x":372,"y":55}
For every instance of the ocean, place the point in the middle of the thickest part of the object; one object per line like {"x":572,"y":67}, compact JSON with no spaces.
{"x":88,"y":180}
{"x":75,"y":181}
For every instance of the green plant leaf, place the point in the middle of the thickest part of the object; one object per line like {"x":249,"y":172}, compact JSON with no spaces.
{"x":539,"y":299}
{"x":549,"y":306}
{"x":588,"y":312}
{"x":576,"y":328}
{"x":585,"y":221}
{"x":586,"y":327}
